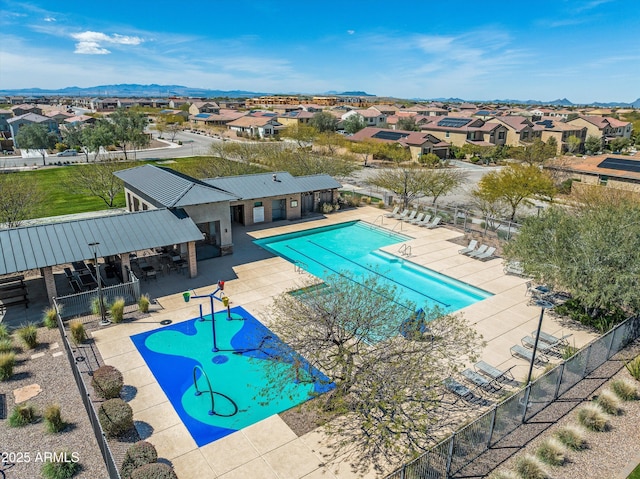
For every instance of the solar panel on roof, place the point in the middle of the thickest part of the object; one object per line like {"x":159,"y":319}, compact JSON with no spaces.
{"x":454,"y":122}
{"x":389,"y":135}
{"x":620,"y":164}
{"x":545,"y":123}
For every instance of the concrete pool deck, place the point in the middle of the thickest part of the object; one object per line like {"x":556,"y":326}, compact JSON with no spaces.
{"x":269,"y":449}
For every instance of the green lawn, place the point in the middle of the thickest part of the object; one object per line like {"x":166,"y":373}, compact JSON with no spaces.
{"x":59,"y":200}
{"x":635,"y":474}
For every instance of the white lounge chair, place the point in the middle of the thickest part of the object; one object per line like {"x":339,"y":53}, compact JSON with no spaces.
{"x":411,"y":216}
{"x":435,"y":223}
{"x":417,"y":219}
{"x":393,"y":213}
{"x":399,"y":216}
{"x":470,"y":248}
{"x":481,"y":249}
{"x":424,"y":221}
{"x":486,"y":255}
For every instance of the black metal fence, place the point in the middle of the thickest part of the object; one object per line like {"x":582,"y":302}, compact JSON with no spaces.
{"x":466,"y":444}
{"x":101,"y":439}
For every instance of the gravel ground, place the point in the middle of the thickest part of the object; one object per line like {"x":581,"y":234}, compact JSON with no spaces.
{"x":608,"y":453}
{"x":26,"y":446}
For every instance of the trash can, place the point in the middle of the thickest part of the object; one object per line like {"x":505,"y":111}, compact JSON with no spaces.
{"x":187,"y":296}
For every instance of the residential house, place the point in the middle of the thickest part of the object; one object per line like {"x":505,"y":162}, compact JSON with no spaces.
{"x":198,"y":107}
{"x":371,"y":117}
{"x":4,"y":116}
{"x":298,"y":117}
{"x":25,"y":108}
{"x":104,"y":104}
{"x":611,"y":171}
{"x":561,"y":131}
{"x":520,"y":130}
{"x":605,"y":128}
{"x":221,"y":119}
{"x":460,"y":131}
{"x":177,"y":102}
{"x":18,"y":122}
{"x":418,"y":143}
{"x":57,"y":115}
{"x":310,"y":107}
{"x":427,"y":110}
{"x":80,"y":120}
{"x":255,"y":126}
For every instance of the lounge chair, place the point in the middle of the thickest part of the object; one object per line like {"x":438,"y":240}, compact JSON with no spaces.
{"x":417,"y":219}
{"x":434,"y":224}
{"x":493,"y":372}
{"x":411,"y":216}
{"x":486,"y":255}
{"x":543,"y":347}
{"x":456,"y":388}
{"x":481,"y":249}
{"x":399,"y":216}
{"x":424,"y":222}
{"x":480,"y":381}
{"x":513,"y":267}
{"x":470,"y":248}
{"x":518,"y":350}
{"x":393,"y":213}
{"x":552,"y":340}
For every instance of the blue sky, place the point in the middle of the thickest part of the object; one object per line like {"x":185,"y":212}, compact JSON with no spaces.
{"x":584,"y":50}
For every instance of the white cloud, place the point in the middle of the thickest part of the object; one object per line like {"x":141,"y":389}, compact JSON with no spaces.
{"x":49,"y":19}
{"x":91,"y":43}
{"x":351,"y":32}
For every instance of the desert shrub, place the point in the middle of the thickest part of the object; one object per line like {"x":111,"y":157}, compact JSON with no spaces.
{"x":625,"y":389}
{"x":116,"y":417}
{"x":63,"y":466}
{"x":6,"y":345}
{"x":572,"y":436}
{"x":4,"y":332}
{"x":569,"y":351}
{"x":157,"y":470}
{"x":139,"y":454}
{"x":95,"y":305}
{"x":49,"y":318}
{"x":29,"y":335}
{"x":506,"y":474}
{"x":107,"y":382}
{"x":633,"y":367}
{"x":530,"y":467}
{"x":78,"y":334}
{"x":53,"y":419}
{"x":7,"y":363}
{"x":551,"y":451}
{"x":22,"y":415}
{"x":143,"y":303}
{"x":609,"y":402}
{"x":593,"y":418}
{"x":117,"y":310}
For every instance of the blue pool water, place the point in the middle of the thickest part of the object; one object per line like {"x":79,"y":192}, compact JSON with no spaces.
{"x":353,"y":249}
{"x":241,"y":373}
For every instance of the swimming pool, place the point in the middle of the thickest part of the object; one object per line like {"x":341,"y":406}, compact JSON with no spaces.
{"x":353,"y":249}
{"x":240,"y":374}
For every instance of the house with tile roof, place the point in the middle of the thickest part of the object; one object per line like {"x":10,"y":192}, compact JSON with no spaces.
{"x":297,"y":117}
{"x":417,"y":142}
{"x":611,"y":171}
{"x":460,"y":131}
{"x":520,"y":130}
{"x":371,"y":116}
{"x":198,"y":107}
{"x":561,"y":131}
{"x":255,"y":126}
{"x":604,"y":127}
{"x":221,"y":119}
{"x":18,"y":122}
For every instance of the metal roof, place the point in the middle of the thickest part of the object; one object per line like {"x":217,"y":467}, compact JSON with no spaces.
{"x":32,"y":247}
{"x":170,"y":188}
{"x":264,"y":185}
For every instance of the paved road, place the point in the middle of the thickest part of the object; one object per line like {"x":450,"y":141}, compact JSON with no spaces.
{"x":192,"y":145}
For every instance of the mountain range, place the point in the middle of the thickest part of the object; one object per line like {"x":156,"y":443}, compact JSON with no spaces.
{"x":160,"y":91}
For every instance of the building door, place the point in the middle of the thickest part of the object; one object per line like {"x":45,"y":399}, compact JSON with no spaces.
{"x":307,"y":203}
{"x":278,"y":210}
{"x":237,"y":214}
